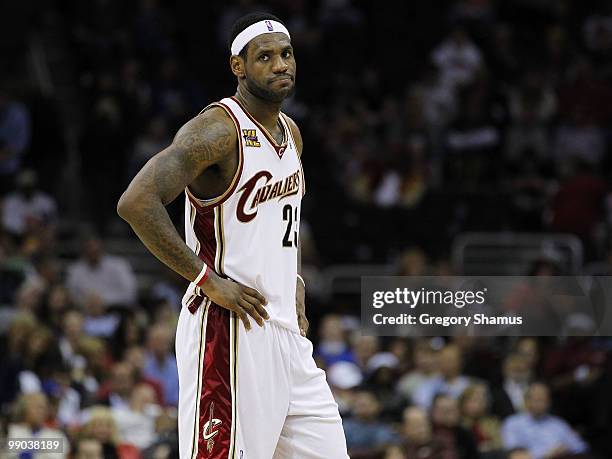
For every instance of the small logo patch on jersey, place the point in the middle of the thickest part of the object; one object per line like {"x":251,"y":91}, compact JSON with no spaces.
{"x":269,"y":25}
{"x":250,"y":138}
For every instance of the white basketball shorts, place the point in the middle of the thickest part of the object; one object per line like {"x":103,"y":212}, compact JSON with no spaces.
{"x":253,"y":394}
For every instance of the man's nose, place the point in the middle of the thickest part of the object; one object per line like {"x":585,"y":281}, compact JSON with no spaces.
{"x":279,"y":65}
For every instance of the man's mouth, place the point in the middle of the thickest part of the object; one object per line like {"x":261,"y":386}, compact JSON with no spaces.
{"x":282,"y":78}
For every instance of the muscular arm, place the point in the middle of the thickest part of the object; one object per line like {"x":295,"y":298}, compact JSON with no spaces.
{"x":203,"y":141}
{"x":207,"y":139}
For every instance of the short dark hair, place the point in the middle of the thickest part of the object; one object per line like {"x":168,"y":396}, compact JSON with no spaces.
{"x":244,"y":22}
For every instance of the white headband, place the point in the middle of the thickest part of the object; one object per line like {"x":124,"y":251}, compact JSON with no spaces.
{"x":254,"y":30}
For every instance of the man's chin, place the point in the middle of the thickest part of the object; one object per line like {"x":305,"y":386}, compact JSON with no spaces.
{"x":285,"y":92}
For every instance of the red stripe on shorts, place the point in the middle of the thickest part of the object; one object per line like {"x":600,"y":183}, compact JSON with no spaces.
{"x":215,"y":423}
{"x":204,"y":229}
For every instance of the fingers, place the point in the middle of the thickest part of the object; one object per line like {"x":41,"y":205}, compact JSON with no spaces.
{"x":243,"y":316}
{"x":251,"y":310}
{"x":254,"y":293}
{"x":303,"y":324}
{"x":256,"y":302}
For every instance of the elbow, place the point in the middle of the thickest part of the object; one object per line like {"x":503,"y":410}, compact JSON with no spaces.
{"x":125,"y":207}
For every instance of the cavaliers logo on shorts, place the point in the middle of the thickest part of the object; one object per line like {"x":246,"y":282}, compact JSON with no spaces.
{"x":210,"y":431}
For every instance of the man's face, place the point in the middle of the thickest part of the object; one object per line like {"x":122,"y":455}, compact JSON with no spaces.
{"x":445,"y":412}
{"x":365,"y":406}
{"x":515,"y":369}
{"x":537,"y":400}
{"x":417,"y":427}
{"x":269,"y":67}
{"x":450,"y":361}
{"x":92,"y":250}
{"x":89,"y":449}
{"x":123,"y":379}
{"x":36,"y":409}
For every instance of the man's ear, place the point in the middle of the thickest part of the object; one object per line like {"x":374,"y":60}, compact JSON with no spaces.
{"x":237,"y":65}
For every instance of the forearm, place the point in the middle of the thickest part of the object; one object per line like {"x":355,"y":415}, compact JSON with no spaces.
{"x":300,"y":287}
{"x":151,"y":223}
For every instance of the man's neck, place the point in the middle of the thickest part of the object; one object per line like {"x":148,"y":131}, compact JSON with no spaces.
{"x":264,"y":111}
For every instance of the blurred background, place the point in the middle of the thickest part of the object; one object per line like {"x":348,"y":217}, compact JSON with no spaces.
{"x":444,"y":137}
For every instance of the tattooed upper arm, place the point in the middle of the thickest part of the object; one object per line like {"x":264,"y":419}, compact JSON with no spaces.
{"x":203,"y":141}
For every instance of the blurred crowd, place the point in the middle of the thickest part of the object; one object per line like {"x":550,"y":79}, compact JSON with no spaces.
{"x":468,"y":397}
{"x":429,"y":119}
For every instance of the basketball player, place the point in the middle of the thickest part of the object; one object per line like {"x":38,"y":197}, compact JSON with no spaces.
{"x":249,"y":388}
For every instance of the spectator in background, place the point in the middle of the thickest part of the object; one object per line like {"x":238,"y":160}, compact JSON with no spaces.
{"x":576,"y":372}
{"x":365,"y":435}
{"x":32,"y":422}
{"x":136,"y":422}
{"x":579,"y":206}
{"x":473,"y":139}
{"x":88,"y":448}
{"x":129,"y":333}
{"x":14,"y":136}
{"x":578,"y":139}
{"x":99,"y":322}
{"x":418,"y":435}
{"x":64,"y":396}
{"x":14,"y":271}
{"x":446,"y":420}
{"x":28,"y":208}
{"x":30,"y":296}
{"x":457,"y":58}
{"x":425,"y":361}
{"x":383,"y":371}
{"x":544,"y":435}
{"x":56,"y":304}
{"x":413,"y":262}
{"x":110,"y":277}
{"x":136,"y":356}
{"x":509,"y":397}
{"x":40,"y":357}
{"x":597,"y":30}
{"x":70,"y":340}
{"x":532,"y":106}
{"x":364,"y":348}
{"x":160,"y":362}
{"x":343,"y":377}
{"x":332,"y":345}
{"x":518,"y":453}
{"x":101,"y":426}
{"x":527,"y":346}
{"x":12,"y":349}
{"x":450,"y":381}
{"x":475,"y":417}
{"x":116,"y":393}
{"x":95,"y":368}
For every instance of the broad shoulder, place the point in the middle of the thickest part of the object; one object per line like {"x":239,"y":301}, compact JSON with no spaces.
{"x":209,"y":136}
{"x":295,"y":131}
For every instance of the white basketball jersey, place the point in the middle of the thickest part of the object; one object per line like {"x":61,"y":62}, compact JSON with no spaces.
{"x":250,"y":233}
